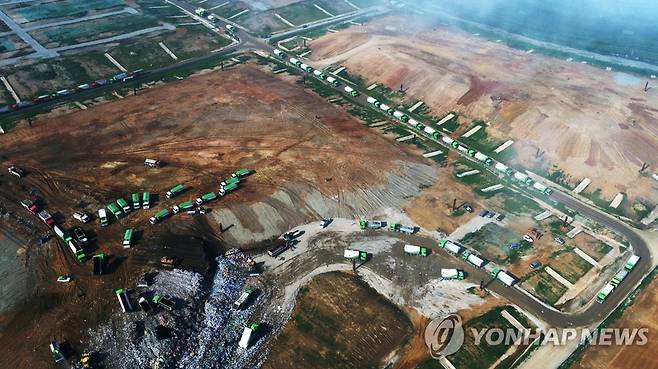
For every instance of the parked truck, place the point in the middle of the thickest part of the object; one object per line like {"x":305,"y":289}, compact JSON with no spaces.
{"x":333,"y":81}
{"x":247,"y":335}
{"x":30,"y":206}
{"x":45,"y":216}
{"x":159,"y":216}
{"x":396,"y":227}
{"x":152,"y":163}
{"x":77,"y":250}
{"x":475,"y":260}
{"x":415,"y":250}
{"x":99,"y":262}
{"x":210,"y":196}
{"x":123,"y":204}
{"x":483,"y":158}
{"x":115,"y":210}
{"x":241,"y":302}
{"x":319,"y":74}
{"x":503,"y":276}
{"x":128,"y":238}
{"x":542,"y":188}
{"x":306,"y":68}
{"x":387,"y":109}
{"x":230,"y":180}
{"x":351,"y":91}
{"x":619,"y":277}
{"x":355,"y":254}
{"x":183,"y":206}
{"x":279,"y":54}
{"x":124,"y":300}
{"x":452,"y":274}
{"x":604,"y":293}
{"x":102,"y":217}
{"x":504,"y":169}
{"x":295,"y":62}
{"x":164,"y":301}
{"x":228,"y":188}
{"x":373,"y":101}
{"x":241,"y":173}
{"x":146,"y":200}
{"x":450,"y":246}
{"x":401,"y":116}
{"x":135,"y":200}
{"x":175,"y":191}
{"x":371,"y":224}
{"x":632,"y":262}
{"x":523,"y":178}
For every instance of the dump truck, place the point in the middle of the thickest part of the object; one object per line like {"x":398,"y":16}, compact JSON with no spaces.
{"x":355,"y":254}
{"x":502,"y":276}
{"x":396,"y":227}
{"x":401,"y":116}
{"x":333,"y":81}
{"x":210,"y":196}
{"x":228,"y":181}
{"x":99,"y":262}
{"x":56,"y":351}
{"x":604,"y":293}
{"x":77,"y":250}
{"x":30,"y":206}
{"x":241,"y":173}
{"x":183,"y":206}
{"x":165,"y":302}
{"x":452,"y":274}
{"x":128,"y":238}
{"x":152,"y":163}
{"x":124,"y":300}
{"x":115,"y":210}
{"x":45,"y":216}
{"x":146,"y":200}
{"x":86,"y":360}
{"x":475,"y":260}
{"x":102,"y":217}
{"x":247,"y":335}
{"x":483,"y":158}
{"x":123,"y":204}
{"x":415,"y":250}
{"x":372,"y":224}
{"x":450,"y":246}
{"x":351,"y":91}
{"x":242,"y":300}
{"x":373,"y":101}
{"x":632,"y":261}
{"x":135,"y":200}
{"x":280,"y":54}
{"x":619,"y":277}
{"x":159,"y":216}
{"x":175,"y":191}
{"x":144,"y":305}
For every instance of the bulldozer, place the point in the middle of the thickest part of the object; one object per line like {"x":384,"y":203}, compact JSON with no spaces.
{"x":167,"y":261}
{"x":85,"y":360}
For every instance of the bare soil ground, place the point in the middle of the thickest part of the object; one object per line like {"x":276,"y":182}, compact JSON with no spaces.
{"x":339,"y":322}
{"x":83,"y":160}
{"x":642,"y":314}
{"x":605,"y":129}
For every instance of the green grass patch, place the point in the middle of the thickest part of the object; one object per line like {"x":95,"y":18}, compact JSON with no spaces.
{"x":493,"y":242}
{"x":65,"y":8}
{"x":301,"y":13}
{"x":545,"y":287}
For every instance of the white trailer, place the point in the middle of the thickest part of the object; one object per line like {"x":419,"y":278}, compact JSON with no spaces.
{"x":415,"y":250}
{"x":539,"y":186}
{"x":349,"y":89}
{"x":351,"y":254}
{"x":502,"y":276}
{"x":294,"y":61}
{"x":632,"y":261}
{"x":278,"y":53}
{"x":58,"y":231}
{"x":452,"y":274}
{"x":412,"y":122}
{"x":371,"y":100}
{"x":501,"y":167}
{"x":306,"y":67}
{"x":450,"y":246}
{"x":333,"y":81}
{"x":384,"y":107}
{"x":447,"y":140}
{"x":247,"y":333}
{"x":520,"y":176}
{"x":398,"y":114}
{"x":477,"y":261}
{"x":430,"y":131}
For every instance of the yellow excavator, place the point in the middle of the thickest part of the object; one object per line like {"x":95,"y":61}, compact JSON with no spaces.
{"x":85,"y":360}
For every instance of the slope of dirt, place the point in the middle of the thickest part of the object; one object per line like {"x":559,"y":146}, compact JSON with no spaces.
{"x":591,"y":123}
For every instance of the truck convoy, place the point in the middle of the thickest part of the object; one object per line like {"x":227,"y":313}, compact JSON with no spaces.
{"x":632,"y":261}
{"x":240,"y":303}
{"x":175,"y":191}
{"x":503,"y":276}
{"x":475,"y":260}
{"x":450,"y":246}
{"x":159,"y":216}
{"x":415,"y":250}
{"x":452,"y":274}
{"x":210,"y":196}
{"x":183,"y":206}
{"x":604,"y":293}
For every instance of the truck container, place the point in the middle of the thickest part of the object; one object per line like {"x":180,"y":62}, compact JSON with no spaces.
{"x":210,"y":196}
{"x":386,"y":108}
{"x":521,"y":177}
{"x":183,"y":206}
{"x":200,"y":11}
{"x":319,"y":74}
{"x":306,"y":67}
{"x":295,"y":62}
{"x":280,"y":54}
{"x":450,"y":246}
{"x":502,"y":276}
{"x":229,"y":188}
{"x":165,"y":302}
{"x":463,"y":148}
{"x":146,"y":200}
{"x":447,"y":140}
{"x":477,"y":261}
{"x":128,"y":238}
{"x":77,"y":250}
{"x":241,"y":173}
{"x":541,"y":188}
{"x":102,"y":217}
{"x":333,"y":81}
{"x":229,"y":181}
{"x":452,"y":274}
{"x":114,"y":209}
{"x":124,"y":300}
{"x":632,"y":261}
{"x":159,"y":216}
{"x":230,"y":28}
{"x":401,"y":116}
{"x":134,"y":197}
{"x":152,"y":163}
{"x":82,"y":217}
{"x":175,"y":191}
{"x":351,"y":91}
{"x":123,"y":204}
{"x":373,"y":101}
{"x":241,"y":302}
{"x":99,"y":83}
{"x":619,"y":277}
{"x":415,"y":250}
{"x":247,"y":335}
{"x":355,"y":254}
{"x":604,"y":293}
{"x":45,"y":216}
{"x":483,"y":158}
{"x":144,"y":305}
{"x":29,"y":205}
{"x":98,"y":261}
{"x":372,"y":224}
{"x":82,"y":87}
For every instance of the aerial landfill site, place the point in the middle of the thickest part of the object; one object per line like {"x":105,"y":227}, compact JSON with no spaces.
{"x":328,"y":184}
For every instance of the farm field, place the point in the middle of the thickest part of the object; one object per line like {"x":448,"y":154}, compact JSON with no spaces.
{"x":331,"y":328}
{"x":380,"y":52}
{"x":545,"y":287}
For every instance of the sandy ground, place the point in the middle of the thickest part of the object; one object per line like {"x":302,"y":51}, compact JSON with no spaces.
{"x":605,"y":123}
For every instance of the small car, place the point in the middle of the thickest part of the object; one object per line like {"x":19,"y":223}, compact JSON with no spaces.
{"x":528,"y":238}
{"x":514,"y":246}
{"x":535,"y":264}
{"x":491,"y":214}
{"x":500,"y":217}
{"x":559,"y":240}
{"x":484,"y":213}
{"x":468,"y":208}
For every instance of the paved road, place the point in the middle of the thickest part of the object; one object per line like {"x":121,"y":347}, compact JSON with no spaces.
{"x":38,"y":48}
